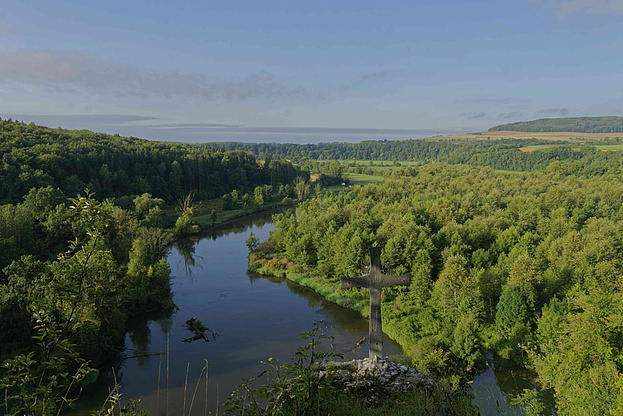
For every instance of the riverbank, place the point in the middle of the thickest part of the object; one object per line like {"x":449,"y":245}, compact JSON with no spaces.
{"x":266,"y":265}
{"x":396,"y":326}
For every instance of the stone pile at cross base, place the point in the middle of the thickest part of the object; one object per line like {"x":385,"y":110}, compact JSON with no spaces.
{"x":375,"y":380}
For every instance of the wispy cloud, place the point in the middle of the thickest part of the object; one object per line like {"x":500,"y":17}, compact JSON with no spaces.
{"x":371,"y":78}
{"x":374,"y":76}
{"x":511,"y":115}
{"x":562,"y":111}
{"x":78,"y":72}
{"x":473,"y":115}
{"x":566,"y":8}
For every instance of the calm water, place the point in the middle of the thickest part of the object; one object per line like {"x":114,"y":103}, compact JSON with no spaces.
{"x":255,"y":318}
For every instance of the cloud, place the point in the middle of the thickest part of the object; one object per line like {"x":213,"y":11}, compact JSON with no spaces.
{"x":566,"y":8}
{"x":77,"y":72}
{"x":375,"y":76}
{"x":372,"y":77}
{"x":562,"y":111}
{"x":511,"y":115}
{"x":473,"y":116}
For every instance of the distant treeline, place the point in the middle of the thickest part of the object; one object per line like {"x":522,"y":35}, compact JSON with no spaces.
{"x":34,"y":156}
{"x":499,"y":154}
{"x":610,"y":124}
{"x":417,"y":150}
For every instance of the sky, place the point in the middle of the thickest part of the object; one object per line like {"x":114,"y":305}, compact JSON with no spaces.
{"x":307,"y":71}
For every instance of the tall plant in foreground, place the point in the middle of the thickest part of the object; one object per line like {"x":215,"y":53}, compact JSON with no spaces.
{"x":294,"y":389}
{"x":46,"y":379}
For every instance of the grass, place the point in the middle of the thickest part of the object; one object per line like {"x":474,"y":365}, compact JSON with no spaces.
{"x":363,"y":179}
{"x":609,"y":147}
{"x":442,"y":401}
{"x":602,"y":147}
{"x":203,"y":217}
{"x":328,"y":290}
{"x":554,"y":136}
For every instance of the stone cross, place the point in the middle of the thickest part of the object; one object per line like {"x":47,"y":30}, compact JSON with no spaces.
{"x":375,"y":280}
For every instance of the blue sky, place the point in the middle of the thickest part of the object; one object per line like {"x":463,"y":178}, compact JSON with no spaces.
{"x":307,"y":71}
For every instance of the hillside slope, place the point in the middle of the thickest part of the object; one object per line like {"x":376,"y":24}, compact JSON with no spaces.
{"x":609,"y":124}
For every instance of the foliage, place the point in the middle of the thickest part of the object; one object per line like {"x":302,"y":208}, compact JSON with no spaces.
{"x":111,"y":269}
{"x":609,"y":124}
{"x":294,"y":389}
{"x":252,"y":242}
{"x":526,"y":264}
{"x":112,"y":166}
{"x":44,"y":380}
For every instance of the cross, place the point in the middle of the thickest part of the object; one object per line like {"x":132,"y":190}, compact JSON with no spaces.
{"x":375,"y":280}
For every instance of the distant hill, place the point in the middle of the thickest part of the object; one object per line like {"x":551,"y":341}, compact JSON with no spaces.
{"x":609,"y":124}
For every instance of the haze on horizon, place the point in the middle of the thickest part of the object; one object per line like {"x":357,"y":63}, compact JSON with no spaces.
{"x":307,"y":72}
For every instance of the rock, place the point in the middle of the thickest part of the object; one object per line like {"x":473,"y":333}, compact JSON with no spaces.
{"x":374,"y":381}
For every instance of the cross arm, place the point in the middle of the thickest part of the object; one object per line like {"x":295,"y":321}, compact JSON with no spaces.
{"x":400,"y":280}
{"x":361,"y":281}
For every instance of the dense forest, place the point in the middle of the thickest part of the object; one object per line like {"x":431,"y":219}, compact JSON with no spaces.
{"x":417,"y":150}
{"x":114,"y":166}
{"x":84,"y":228}
{"x":499,"y":154}
{"x":518,"y":253}
{"x":527,"y":265}
{"x":610,"y":124}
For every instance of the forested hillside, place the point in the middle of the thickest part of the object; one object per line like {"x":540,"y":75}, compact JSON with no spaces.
{"x":75,"y":265}
{"x":610,"y":124}
{"x":502,"y":154}
{"x":418,"y":150}
{"x":113,"y":166}
{"x":528,"y":265}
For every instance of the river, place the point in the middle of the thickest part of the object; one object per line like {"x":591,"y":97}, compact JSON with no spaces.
{"x":254,"y":318}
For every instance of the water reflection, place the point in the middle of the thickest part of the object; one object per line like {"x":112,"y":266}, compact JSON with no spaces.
{"x":186,"y":249}
{"x":495,"y":389}
{"x":140,"y":334}
{"x":255,"y":317}
{"x":186,"y":246}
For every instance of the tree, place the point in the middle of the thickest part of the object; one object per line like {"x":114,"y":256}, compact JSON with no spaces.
{"x":252,"y":242}
{"x":301,"y":187}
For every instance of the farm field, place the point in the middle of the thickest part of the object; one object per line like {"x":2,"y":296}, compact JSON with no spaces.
{"x":609,"y":147}
{"x":363,"y":179}
{"x":555,"y":136}
{"x":602,"y":147}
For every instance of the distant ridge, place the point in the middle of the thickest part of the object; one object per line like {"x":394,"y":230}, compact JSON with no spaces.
{"x":608,"y":124}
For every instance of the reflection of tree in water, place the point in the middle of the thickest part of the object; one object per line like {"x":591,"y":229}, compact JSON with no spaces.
{"x":140,"y":334}
{"x":313,"y":298}
{"x":240,"y":225}
{"x":166,"y":323}
{"x":186,"y":249}
{"x":186,"y":246}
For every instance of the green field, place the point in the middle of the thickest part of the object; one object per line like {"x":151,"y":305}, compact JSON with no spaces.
{"x":609,"y":147}
{"x":362,"y":179}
